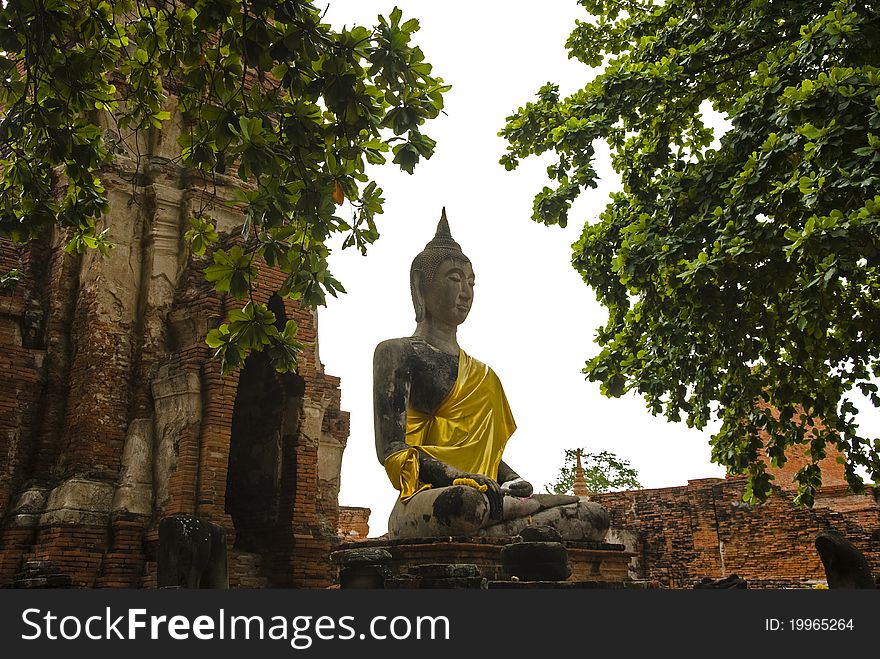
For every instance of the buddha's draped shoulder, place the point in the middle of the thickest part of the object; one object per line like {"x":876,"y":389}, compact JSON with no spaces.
{"x":468,"y":431}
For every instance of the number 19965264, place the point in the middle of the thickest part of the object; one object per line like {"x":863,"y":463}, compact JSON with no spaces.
{"x":809,"y":624}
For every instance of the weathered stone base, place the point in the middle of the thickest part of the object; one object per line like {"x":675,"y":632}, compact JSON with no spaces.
{"x":576,"y":585}
{"x":41,"y":574}
{"x":591,"y":562}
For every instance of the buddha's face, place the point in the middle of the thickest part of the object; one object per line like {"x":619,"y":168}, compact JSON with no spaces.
{"x":448,"y":296}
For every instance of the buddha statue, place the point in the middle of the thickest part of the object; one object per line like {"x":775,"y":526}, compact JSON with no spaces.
{"x":442,"y":422}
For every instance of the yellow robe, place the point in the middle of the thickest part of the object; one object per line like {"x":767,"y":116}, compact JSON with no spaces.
{"x":468,"y":431}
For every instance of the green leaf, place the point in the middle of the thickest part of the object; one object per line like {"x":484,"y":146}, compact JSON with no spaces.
{"x":233,"y":272}
{"x":272,"y":106}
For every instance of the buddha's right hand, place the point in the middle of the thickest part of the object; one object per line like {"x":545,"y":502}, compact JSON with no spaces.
{"x":493,"y":494}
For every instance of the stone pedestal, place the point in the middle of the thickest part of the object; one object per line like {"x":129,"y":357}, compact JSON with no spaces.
{"x":440,"y":575}
{"x":536,"y":561}
{"x":477,"y":563}
{"x":362,"y":567}
{"x":40,"y":574}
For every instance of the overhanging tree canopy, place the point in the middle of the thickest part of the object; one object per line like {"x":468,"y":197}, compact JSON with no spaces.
{"x":742,"y":280}
{"x":295,"y":109}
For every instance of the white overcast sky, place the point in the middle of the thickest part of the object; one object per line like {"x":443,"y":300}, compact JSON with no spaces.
{"x":533,"y":319}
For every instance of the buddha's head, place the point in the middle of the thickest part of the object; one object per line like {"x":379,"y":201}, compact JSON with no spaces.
{"x":442,"y":279}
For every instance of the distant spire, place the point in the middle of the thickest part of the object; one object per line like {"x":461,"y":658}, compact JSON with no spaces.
{"x":580,"y":485}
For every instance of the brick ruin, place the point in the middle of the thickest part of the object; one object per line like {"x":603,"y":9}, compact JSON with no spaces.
{"x":704,"y":529}
{"x":113,"y":413}
{"x":354,"y":523}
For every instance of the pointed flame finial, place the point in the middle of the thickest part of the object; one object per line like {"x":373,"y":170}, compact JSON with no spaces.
{"x":443,"y":226}
{"x":443,"y":237}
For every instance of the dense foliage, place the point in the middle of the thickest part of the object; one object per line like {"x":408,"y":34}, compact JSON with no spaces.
{"x":291,"y":107}
{"x":741,"y":277}
{"x":603,"y":472}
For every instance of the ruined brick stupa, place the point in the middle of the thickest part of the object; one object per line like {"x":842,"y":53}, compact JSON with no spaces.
{"x":113,"y":414}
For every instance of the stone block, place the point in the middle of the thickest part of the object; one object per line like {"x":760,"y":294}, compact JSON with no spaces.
{"x":536,"y":561}
{"x":79,"y":502}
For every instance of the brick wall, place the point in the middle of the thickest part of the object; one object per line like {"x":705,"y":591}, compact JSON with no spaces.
{"x":354,"y":523}
{"x":833,"y":474}
{"x":705,"y":530}
{"x":22,"y":368}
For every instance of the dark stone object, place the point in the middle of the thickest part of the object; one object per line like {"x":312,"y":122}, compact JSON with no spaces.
{"x":361,"y":556}
{"x":363,"y":567}
{"x":447,"y":570}
{"x":40,"y":574}
{"x":540,"y":534}
{"x":845,"y":566}
{"x":457,"y":503}
{"x":365,"y":575}
{"x":733,"y":581}
{"x":402,"y":582}
{"x":556,"y":585}
{"x":192,"y":553}
{"x":454,"y":583}
{"x":411,"y":582}
{"x":536,"y":561}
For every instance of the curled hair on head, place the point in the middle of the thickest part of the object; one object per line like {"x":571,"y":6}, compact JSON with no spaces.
{"x":426,"y":262}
